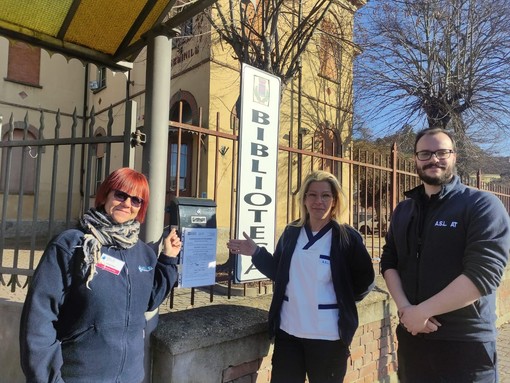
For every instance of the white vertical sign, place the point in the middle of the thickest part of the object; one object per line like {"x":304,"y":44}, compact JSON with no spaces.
{"x":258,"y":164}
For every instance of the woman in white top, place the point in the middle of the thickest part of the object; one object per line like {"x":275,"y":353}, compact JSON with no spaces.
{"x":321,"y":268}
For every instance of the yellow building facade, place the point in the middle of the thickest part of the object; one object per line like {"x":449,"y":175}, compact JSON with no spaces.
{"x":315,"y":117}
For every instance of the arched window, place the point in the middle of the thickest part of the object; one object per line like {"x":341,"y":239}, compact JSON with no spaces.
{"x":17,"y":173}
{"x":330,"y":51}
{"x":326,"y":142}
{"x":185,"y":101}
{"x":183,"y":153}
{"x":98,"y":161}
{"x":187,"y":113}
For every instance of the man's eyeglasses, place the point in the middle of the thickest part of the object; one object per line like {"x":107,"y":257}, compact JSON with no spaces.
{"x":441,"y":154}
{"x":122,"y":197}
{"x":325,"y":197}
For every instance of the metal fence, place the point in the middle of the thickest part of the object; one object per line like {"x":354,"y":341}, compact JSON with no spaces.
{"x":73,"y":162}
{"x":32,"y":214}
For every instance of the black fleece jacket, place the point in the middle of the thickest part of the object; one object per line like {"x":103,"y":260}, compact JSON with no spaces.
{"x":431,"y":242}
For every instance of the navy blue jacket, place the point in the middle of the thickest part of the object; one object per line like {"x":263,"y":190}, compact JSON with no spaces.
{"x":465,"y":231}
{"x":73,"y":334}
{"x":352,"y":273}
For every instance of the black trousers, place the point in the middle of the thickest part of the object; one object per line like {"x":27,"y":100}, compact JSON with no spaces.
{"x":424,"y":361}
{"x":324,"y":361}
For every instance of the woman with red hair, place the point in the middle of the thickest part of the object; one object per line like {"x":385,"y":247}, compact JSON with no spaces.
{"x":83,"y":318}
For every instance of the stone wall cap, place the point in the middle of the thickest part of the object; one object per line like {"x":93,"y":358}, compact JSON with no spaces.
{"x":201,"y":327}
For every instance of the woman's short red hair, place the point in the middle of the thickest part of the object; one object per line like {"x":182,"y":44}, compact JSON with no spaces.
{"x":129,"y":181}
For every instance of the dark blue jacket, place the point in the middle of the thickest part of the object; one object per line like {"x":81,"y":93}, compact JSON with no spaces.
{"x":73,"y":334}
{"x":352,"y":273}
{"x":465,"y":231}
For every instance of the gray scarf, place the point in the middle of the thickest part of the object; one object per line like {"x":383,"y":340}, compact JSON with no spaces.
{"x":100,"y":230}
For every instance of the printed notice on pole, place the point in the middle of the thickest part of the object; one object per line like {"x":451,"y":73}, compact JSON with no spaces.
{"x":198,"y":257}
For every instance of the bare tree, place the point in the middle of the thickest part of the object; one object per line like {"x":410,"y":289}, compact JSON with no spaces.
{"x":271,"y":34}
{"x":443,"y":61}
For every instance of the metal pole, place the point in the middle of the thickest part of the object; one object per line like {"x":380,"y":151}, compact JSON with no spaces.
{"x":155,"y":153}
{"x":129,"y":129}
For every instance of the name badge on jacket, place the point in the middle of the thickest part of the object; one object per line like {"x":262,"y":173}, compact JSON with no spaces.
{"x":110,"y":264}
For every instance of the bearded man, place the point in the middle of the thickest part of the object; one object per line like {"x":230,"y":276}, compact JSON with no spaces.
{"x":445,"y":253}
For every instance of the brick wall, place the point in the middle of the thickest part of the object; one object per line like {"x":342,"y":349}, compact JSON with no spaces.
{"x":373,"y":352}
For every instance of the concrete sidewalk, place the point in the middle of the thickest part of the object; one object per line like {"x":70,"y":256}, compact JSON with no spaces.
{"x":504,"y":353}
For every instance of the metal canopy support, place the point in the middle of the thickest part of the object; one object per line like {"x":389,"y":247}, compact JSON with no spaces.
{"x":155,"y":153}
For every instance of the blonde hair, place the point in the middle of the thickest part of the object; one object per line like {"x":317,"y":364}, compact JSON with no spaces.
{"x":338,"y":198}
